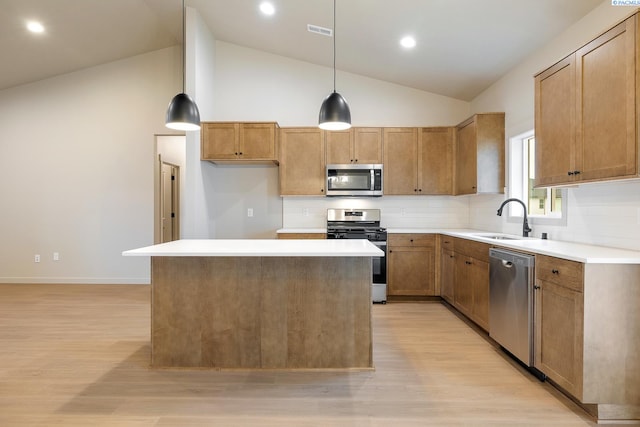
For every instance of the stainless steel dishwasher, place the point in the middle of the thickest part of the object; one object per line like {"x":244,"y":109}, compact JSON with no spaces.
{"x":511,"y":315}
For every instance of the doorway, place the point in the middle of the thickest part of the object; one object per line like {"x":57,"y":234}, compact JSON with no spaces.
{"x":169,"y":168}
{"x":169,"y":202}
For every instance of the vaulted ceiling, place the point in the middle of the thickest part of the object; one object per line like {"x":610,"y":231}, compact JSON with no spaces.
{"x":463,"y":46}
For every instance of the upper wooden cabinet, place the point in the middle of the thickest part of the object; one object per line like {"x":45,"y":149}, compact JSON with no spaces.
{"x":418,"y":161}
{"x":585,"y":111}
{"x":479,"y":154}
{"x":356,"y":145}
{"x":239,"y":142}
{"x":435,"y":160}
{"x":302,"y":165}
{"x":400,"y":161}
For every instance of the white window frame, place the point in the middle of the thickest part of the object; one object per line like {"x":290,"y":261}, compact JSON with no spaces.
{"x":519,"y":186}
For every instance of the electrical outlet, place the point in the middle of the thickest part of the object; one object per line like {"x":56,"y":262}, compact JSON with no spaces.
{"x":250,"y":212}
{"x":403,"y":212}
{"x":305,"y":212}
{"x":56,"y":256}
{"x":36,"y":258}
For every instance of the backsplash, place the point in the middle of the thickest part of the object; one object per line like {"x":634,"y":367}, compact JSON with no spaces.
{"x":604,"y":214}
{"x":396,"y":211}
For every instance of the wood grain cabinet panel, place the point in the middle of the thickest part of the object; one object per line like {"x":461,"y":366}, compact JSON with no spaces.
{"x":411,"y":265}
{"x":239,"y":142}
{"x":587,"y":333}
{"x":586,"y":113}
{"x":302,"y":162}
{"x":471,"y":280}
{"x":479,"y":155}
{"x":355,"y":145}
{"x":435,"y":167}
{"x":418,"y":161}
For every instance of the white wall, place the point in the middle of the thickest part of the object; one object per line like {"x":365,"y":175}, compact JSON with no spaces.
{"x":258,"y":86}
{"x":77,"y":162}
{"x":603,"y":214}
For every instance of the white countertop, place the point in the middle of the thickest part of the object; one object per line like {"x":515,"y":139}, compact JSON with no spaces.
{"x":590,"y":254}
{"x":261,"y":248}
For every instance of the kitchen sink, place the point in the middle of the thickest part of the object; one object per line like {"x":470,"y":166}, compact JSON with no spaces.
{"x":498,"y":236}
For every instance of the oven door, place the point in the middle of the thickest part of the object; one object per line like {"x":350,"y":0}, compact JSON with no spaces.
{"x":380,"y":264}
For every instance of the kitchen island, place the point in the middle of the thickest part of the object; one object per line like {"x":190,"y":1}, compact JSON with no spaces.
{"x":275,"y":304}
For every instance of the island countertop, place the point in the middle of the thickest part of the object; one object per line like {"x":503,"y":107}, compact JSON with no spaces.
{"x":260,"y":248}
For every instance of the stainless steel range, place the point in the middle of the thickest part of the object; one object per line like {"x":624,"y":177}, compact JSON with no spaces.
{"x":363,"y":224}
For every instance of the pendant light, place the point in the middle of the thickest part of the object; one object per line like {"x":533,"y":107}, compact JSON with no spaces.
{"x":182,"y":113}
{"x":334,"y":112}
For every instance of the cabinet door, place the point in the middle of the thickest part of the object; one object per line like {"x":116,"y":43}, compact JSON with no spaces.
{"x":479,"y":278}
{"x":555,"y":123}
{"x":435,"y":169}
{"x":220,"y":141}
{"x":400,"y":161}
{"x":559,"y":335}
{"x":466,"y":166}
{"x":463,"y":290}
{"x":339,"y":146}
{"x":447,"y":275}
{"x":257,"y":141}
{"x":367,"y":145}
{"x":302,"y":167}
{"x":411,"y":271}
{"x":606,"y":99}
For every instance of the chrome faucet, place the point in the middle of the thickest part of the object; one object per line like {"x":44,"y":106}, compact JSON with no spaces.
{"x":525,"y":224}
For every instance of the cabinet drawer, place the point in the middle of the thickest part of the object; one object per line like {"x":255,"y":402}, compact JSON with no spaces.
{"x":446,"y":242}
{"x":411,"y":240}
{"x":477,"y":250}
{"x":562,"y":272}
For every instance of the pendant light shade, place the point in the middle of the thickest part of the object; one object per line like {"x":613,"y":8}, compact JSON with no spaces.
{"x":334,"y":111}
{"x":182,"y":113}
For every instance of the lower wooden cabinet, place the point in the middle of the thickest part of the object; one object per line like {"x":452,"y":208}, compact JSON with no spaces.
{"x":447,"y":275}
{"x":559,"y":322}
{"x":411,"y":265}
{"x":471,"y":280}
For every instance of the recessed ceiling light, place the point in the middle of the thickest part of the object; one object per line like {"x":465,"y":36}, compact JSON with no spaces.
{"x":267,"y":8}
{"x":408,"y":42}
{"x":35,"y":27}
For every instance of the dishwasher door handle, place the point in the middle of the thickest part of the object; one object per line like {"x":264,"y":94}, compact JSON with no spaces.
{"x":506,"y":264}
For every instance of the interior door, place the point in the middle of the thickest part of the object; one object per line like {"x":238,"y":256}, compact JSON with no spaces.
{"x":169,"y":202}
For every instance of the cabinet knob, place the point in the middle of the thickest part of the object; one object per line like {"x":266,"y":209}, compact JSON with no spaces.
{"x":236,"y":153}
{"x":419,"y":189}
{"x":356,"y":160}
{"x":415,"y":190}
{"x":576,"y":172}
{"x":473,"y":188}
{"x":570,"y":173}
{"x":536,"y":287}
{"x":241,"y":153}
{"x":554,"y":271}
{"x":411,"y":240}
{"x":468,"y":262}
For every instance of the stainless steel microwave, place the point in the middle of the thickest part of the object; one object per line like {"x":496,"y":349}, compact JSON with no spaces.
{"x":354,"y":180}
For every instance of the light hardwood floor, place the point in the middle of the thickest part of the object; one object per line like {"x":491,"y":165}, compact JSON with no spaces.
{"x":78,"y":355}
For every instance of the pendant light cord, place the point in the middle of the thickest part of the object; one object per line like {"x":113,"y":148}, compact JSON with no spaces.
{"x":184,"y":49}
{"x":334,"y":45}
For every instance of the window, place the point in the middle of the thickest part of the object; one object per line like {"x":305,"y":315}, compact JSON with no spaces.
{"x":542,"y":203}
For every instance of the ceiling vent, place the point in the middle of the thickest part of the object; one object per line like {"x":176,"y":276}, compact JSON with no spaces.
{"x":319,"y":30}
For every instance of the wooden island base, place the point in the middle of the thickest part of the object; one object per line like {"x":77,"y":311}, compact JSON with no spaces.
{"x":261,"y":312}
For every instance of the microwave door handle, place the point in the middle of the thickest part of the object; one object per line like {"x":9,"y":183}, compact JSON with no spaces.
{"x":372,"y":182}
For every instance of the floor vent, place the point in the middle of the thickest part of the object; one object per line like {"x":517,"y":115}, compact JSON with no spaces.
{"x":319,"y":30}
